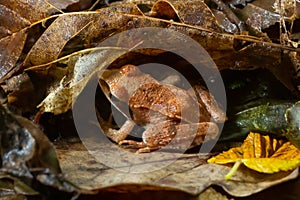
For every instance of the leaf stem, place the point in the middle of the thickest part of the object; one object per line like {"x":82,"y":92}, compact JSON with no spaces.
{"x":233,"y":170}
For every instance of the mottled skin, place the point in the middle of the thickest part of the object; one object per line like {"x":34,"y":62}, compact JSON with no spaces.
{"x":163,"y":110}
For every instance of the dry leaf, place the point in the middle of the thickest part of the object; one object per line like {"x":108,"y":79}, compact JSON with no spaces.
{"x":18,"y":14}
{"x":189,"y":173}
{"x":71,"y":5}
{"x":212,"y":194}
{"x":194,"y":12}
{"x":91,"y":24}
{"x":262,"y":154}
{"x":25,"y":146}
{"x":50,"y":44}
{"x":11,"y":49}
{"x":61,"y":98}
{"x":259,"y":14}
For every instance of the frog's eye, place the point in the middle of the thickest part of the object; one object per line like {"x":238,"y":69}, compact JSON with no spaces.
{"x":120,"y":92}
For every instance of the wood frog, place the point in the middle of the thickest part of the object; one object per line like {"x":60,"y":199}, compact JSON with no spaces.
{"x":164,"y":110}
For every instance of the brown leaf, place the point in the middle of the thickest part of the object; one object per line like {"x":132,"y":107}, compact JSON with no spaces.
{"x":259,"y":14}
{"x":194,"y":12}
{"x":11,"y":49}
{"x":71,"y":5}
{"x":224,"y":22}
{"x":212,"y":194}
{"x":18,"y":14}
{"x":92,"y":25}
{"x":50,"y":44}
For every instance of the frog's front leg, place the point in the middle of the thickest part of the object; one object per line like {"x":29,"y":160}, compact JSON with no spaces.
{"x":122,"y":133}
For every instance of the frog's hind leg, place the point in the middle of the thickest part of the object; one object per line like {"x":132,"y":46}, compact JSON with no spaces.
{"x":154,"y":137}
{"x":206,"y":131}
{"x":191,"y":135}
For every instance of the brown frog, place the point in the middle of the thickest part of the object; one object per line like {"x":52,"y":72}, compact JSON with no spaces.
{"x":165,"y":111}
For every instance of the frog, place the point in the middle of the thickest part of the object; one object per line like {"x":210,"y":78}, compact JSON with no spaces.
{"x":163,"y":110}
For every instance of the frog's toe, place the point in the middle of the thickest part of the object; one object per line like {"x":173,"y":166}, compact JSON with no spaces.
{"x":147,"y":150}
{"x":116,"y":135}
{"x":141,"y":146}
{"x":133,"y":143}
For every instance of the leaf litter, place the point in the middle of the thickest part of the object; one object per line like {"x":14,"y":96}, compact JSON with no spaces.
{"x":229,"y":50}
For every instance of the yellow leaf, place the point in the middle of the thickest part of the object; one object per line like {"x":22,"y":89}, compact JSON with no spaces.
{"x":261,"y":153}
{"x":271,"y":165}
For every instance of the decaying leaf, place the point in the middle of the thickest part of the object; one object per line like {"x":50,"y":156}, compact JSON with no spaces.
{"x":259,"y":14}
{"x":194,"y":12}
{"x":61,"y":98}
{"x":16,"y":17}
{"x":71,"y":5}
{"x":24,"y":145}
{"x":11,"y":49}
{"x":18,"y":14}
{"x":29,"y":159}
{"x":262,"y":154}
{"x":189,"y":173}
{"x":92,"y":24}
{"x":279,"y":118}
{"x":211,"y":194}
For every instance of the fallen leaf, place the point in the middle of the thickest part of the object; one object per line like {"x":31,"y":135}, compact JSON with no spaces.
{"x":212,"y":194}
{"x":11,"y":49}
{"x":25,"y":146}
{"x":262,"y":14}
{"x":90,"y":24}
{"x":224,"y":22}
{"x":18,"y":14}
{"x":189,"y":173}
{"x":62,"y":97}
{"x":194,"y":12}
{"x":71,"y":5}
{"x":29,"y":159}
{"x":262,"y":154}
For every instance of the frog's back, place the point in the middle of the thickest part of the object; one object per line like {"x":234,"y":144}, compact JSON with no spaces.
{"x":160,"y":101}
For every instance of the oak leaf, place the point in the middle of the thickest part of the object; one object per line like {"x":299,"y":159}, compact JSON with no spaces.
{"x":261,"y":153}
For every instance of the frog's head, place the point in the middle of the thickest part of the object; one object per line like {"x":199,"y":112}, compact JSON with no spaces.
{"x":122,"y":83}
